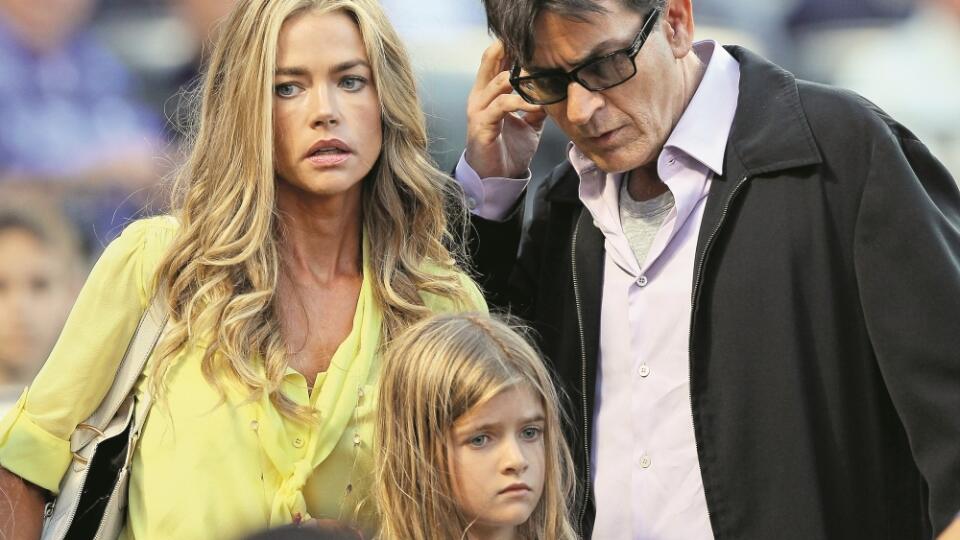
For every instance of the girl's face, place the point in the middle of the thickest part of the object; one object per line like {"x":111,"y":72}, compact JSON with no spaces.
{"x":497,"y":460}
{"x":327,"y":127}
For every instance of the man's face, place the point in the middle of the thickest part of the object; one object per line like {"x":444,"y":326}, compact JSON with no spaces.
{"x":623,"y":127}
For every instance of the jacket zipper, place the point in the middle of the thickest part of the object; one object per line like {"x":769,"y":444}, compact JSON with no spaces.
{"x":583,"y":382}
{"x":693,"y":312}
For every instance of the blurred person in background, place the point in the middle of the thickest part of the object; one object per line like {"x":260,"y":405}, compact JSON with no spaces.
{"x":72,"y":128}
{"x":202,"y":19}
{"x":913,"y":72}
{"x":40,"y":272}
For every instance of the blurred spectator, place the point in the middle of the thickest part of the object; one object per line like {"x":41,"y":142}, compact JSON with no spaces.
{"x":71,"y":127}
{"x":201,"y":19}
{"x":913,"y":73}
{"x":40,"y":275}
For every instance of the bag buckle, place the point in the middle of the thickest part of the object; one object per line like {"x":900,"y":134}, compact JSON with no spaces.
{"x":88,"y":427}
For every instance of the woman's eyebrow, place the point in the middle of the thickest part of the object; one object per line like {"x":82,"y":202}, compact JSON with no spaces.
{"x":294,"y":71}
{"x":349,"y":64}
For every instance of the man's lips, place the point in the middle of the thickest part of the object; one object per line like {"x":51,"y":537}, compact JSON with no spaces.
{"x":604,"y":138}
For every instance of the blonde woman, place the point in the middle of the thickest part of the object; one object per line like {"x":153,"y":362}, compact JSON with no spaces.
{"x":309,"y":227}
{"x":468,"y":441}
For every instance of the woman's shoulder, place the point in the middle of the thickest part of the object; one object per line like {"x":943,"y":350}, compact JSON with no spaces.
{"x":140,"y":248}
{"x":471,"y":292}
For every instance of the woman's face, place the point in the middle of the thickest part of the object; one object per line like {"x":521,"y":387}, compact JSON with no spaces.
{"x":497,"y":460}
{"x":327,"y":126}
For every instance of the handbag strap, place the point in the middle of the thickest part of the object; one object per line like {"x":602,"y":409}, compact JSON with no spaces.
{"x":144,"y":340}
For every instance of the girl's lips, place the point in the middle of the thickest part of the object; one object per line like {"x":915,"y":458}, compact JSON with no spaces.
{"x":328,"y":160}
{"x":515,"y":488}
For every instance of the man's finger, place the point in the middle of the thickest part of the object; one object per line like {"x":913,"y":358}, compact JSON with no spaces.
{"x":490,"y":64}
{"x":498,"y":86}
{"x":505,"y":104}
{"x":535,"y":119}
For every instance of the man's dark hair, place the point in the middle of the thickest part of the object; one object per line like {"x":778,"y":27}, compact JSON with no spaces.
{"x":512,"y":20}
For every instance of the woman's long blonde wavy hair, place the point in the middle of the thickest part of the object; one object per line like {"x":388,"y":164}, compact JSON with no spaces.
{"x":220,"y":276}
{"x":433,"y":374}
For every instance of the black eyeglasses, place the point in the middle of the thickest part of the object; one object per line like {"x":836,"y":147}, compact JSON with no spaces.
{"x":597,"y":74}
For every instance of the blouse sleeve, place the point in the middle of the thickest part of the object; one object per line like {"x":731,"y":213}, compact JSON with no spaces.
{"x":35,"y":435}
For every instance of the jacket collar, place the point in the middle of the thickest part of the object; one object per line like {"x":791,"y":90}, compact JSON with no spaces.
{"x":770,"y":131}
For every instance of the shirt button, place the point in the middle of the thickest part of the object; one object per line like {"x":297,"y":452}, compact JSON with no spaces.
{"x":642,"y":281}
{"x":298,"y":442}
{"x":644,"y":371}
{"x":254,"y":425}
{"x":645,"y":462}
{"x":471,"y":203}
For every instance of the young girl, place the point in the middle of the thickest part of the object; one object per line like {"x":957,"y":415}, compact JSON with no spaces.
{"x":468,"y":441}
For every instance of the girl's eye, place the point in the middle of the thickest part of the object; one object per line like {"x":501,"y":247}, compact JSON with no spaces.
{"x":286,"y":90}
{"x":531,"y":433}
{"x":479,"y":441}
{"x":353,"y":83}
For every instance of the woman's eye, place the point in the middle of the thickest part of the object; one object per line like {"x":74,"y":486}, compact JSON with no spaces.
{"x":531,"y":433}
{"x":286,"y":90}
{"x":353,"y":83}
{"x":479,"y":441}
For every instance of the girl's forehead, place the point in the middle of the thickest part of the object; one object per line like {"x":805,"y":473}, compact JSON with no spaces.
{"x":514,"y":404}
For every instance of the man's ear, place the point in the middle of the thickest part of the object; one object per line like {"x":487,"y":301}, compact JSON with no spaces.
{"x":678,"y":26}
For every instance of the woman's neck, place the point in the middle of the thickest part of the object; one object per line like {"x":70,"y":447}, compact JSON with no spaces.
{"x":320,"y":235}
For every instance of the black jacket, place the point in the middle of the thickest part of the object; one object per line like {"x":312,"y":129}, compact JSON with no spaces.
{"x":825,"y":334}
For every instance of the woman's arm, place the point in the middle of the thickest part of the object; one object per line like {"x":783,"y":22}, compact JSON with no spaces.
{"x":21,"y":507}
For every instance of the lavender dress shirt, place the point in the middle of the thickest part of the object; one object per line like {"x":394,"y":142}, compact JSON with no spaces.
{"x":646,"y":473}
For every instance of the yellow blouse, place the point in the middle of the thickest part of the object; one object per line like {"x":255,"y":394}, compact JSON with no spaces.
{"x":205,"y":467}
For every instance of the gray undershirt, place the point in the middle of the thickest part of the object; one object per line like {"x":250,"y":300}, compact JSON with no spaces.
{"x":641,"y":220}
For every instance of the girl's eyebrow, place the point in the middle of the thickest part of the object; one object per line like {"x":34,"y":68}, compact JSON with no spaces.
{"x":495,"y":425}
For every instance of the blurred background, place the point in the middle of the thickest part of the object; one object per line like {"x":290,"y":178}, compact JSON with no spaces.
{"x":94,"y":102}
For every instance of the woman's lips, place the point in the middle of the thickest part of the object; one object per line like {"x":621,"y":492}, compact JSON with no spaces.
{"x":328,"y":159}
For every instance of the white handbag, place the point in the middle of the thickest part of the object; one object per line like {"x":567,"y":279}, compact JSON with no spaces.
{"x":93,"y":493}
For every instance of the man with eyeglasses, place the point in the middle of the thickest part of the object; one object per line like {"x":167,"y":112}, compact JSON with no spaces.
{"x":748,"y":285}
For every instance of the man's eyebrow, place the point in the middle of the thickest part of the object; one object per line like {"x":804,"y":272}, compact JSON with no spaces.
{"x":606,"y":46}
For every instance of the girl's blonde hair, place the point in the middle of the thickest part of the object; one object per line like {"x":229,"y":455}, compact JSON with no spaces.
{"x":433,"y":374}
{"x":220,"y":276}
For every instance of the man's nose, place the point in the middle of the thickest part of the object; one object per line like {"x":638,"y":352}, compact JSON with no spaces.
{"x":582,"y":104}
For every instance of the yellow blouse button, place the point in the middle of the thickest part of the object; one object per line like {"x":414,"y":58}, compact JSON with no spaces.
{"x":298,"y":442}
